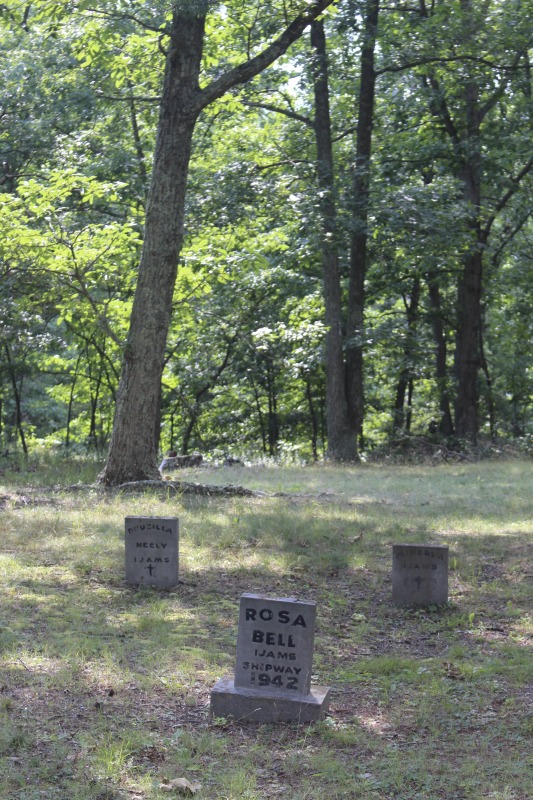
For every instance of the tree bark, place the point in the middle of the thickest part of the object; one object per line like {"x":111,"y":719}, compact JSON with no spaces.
{"x":342,"y":437}
{"x":273,"y":419}
{"x":312,"y":417}
{"x":359,"y":236}
{"x":71,"y":403}
{"x":405,"y":383}
{"x":445,"y":425}
{"x":469,"y":294}
{"x":467,"y":355}
{"x":133,"y":447}
{"x":17,"y":394}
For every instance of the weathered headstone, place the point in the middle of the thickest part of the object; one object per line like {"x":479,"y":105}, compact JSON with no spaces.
{"x":151,"y":551}
{"x":273,"y":668}
{"x":419,"y":574}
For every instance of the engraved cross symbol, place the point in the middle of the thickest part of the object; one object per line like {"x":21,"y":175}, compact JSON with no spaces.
{"x":150,"y":569}
{"x":418,"y":581}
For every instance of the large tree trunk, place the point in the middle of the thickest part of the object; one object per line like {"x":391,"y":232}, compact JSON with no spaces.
{"x":133,"y":449}
{"x":359,"y":237}
{"x":342,"y":437}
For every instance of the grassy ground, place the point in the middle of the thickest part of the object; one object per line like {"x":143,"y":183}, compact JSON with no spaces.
{"x":104,"y":690}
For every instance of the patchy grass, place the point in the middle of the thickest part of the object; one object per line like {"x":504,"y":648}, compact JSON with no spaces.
{"x":104,"y":689}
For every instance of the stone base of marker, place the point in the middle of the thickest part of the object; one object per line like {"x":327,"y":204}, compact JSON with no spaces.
{"x":247,"y":705}
{"x":419,"y":574}
{"x":272,"y":681}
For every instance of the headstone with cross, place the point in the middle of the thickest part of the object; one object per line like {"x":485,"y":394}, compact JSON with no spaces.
{"x":151,"y":545}
{"x":419,"y":574}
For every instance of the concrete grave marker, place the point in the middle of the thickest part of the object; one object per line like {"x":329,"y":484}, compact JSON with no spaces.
{"x":273,"y":667}
{"x":151,"y":551}
{"x":419,"y":574}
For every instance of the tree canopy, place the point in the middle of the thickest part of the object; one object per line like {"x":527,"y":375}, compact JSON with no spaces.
{"x":294,"y":229}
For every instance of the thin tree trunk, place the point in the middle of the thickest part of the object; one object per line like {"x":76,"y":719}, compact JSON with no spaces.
{"x":342,"y":437}
{"x":401,"y":415}
{"x":93,"y":431}
{"x":322,"y":418}
{"x":171,"y":438}
{"x":468,"y":169}
{"x":261,"y":418}
{"x":71,"y":403}
{"x":469,"y":320}
{"x":18,"y":402}
{"x":273,"y":421}
{"x":399,"y":402}
{"x":445,"y":425}
{"x":187,"y":433}
{"x":409,"y":411}
{"x":137,"y":139}
{"x":207,"y":386}
{"x":313,"y":418}
{"x":359,"y":236}
{"x":490,"y":396}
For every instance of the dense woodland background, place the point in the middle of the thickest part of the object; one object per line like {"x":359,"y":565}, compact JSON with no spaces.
{"x":358,"y":215}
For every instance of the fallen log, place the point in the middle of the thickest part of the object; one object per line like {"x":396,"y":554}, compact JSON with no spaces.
{"x":184,"y":487}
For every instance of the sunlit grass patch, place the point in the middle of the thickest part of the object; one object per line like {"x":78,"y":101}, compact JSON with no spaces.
{"x":104,"y":687}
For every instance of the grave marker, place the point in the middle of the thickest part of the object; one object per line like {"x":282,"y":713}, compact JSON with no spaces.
{"x":273,"y":667}
{"x":419,"y":574}
{"x":151,"y":545}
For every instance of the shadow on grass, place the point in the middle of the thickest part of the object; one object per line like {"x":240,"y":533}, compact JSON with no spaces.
{"x":159,"y":652}
{"x":408,"y":685}
{"x":89,"y":615}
